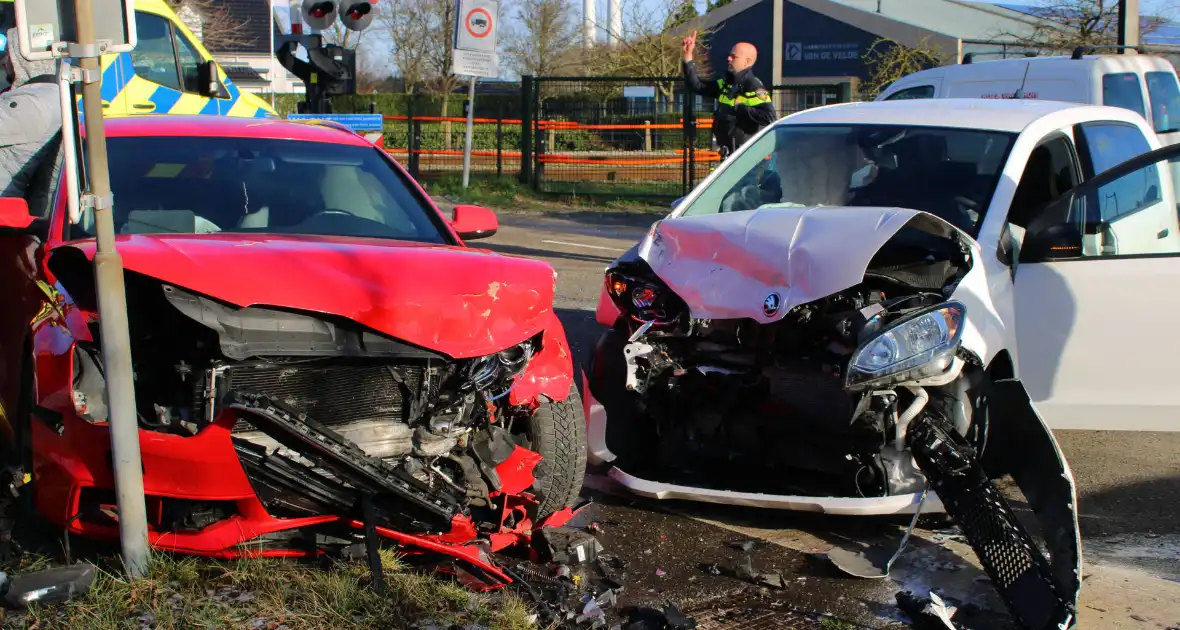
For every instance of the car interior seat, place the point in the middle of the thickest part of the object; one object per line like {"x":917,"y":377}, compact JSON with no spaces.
{"x":344,"y":189}
{"x":1039,"y":185}
{"x":43,"y":185}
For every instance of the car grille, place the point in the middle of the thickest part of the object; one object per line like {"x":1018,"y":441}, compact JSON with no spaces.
{"x":331,"y":394}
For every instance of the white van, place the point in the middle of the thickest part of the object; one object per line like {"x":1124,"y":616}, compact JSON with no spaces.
{"x":1142,"y":83}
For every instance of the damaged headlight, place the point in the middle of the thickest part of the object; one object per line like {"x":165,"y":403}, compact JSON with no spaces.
{"x":644,"y":300}
{"x":919,"y":346}
{"x":486,"y":371}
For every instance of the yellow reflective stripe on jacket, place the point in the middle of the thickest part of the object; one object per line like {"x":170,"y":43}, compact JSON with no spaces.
{"x":753,"y":99}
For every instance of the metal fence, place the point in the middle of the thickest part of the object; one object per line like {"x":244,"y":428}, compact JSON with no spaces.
{"x":630,"y":136}
{"x":585,"y":136}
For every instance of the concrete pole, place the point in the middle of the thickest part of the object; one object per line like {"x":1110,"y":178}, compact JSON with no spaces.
{"x":1128,"y":24}
{"x":470,"y":127}
{"x":112,"y":312}
{"x":589,"y":22}
{"x":615,"y":8}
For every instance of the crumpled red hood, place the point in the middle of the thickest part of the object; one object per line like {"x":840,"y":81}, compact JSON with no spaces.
{"x":457,"y":301}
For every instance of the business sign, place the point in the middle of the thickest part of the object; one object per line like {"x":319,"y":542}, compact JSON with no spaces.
{"x":843,"y":51}
{"x":355,"y":122}
{"x":477,"y":26}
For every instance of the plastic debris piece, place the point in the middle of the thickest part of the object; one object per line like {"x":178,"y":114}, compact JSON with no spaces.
{"x":660,"y":573}
{"x":49,"y":586}
{"x":565,"y":545}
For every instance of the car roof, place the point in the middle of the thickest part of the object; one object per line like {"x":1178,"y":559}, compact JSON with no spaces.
{"x":208,"y":126}
{"x":1009,"y":115}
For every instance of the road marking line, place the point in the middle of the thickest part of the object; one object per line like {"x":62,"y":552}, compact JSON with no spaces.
{"x":609,"y":249}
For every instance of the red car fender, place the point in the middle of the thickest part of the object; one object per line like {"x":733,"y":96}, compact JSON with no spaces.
{"x":551,"y":371}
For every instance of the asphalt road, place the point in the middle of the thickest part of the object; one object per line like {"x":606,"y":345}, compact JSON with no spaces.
{"x":1129,"y":483}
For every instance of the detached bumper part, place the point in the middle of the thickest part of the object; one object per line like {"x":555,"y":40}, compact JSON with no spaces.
{"x":367,"y":474}
{"x":1021,"y":574}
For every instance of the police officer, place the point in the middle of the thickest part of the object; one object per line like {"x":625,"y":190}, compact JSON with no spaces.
{"x":743,"y":105}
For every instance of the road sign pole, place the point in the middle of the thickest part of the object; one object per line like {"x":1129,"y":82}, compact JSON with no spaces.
{"x":112,"y":309}
{"x":470,"y":130}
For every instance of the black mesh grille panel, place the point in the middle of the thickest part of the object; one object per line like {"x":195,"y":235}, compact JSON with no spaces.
{"x":332,"y":394}
{"x":1019,"y":571}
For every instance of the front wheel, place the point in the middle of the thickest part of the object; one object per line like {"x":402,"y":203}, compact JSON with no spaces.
{"x":557,"y":430}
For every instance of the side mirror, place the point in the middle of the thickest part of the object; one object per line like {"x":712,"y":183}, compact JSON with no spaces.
{"x":210,"y":80}
{"x":1062,"y":240}
{"x":472,"y":222}
{"x":14,"y":213}
{"x":677,"y":203}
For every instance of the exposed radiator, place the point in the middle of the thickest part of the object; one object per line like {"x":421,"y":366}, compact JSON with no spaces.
{"x":332,"y":394}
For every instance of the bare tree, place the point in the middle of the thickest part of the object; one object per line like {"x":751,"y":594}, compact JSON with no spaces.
{"x":542,"y":35}
{"x":647,"y":48}
{"x":1059,"y":26}
{"x":408,"y":30}
{"x":889,"y":61}
{"x":213,"y":23}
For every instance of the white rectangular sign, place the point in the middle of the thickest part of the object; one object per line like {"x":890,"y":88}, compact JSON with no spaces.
{"x":477,"y":25}
{"x":639,"y":91}
{"x":475,"y":63}
{"x":42,"y":23}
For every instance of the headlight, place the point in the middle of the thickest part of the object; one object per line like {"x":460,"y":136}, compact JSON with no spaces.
{"x":641,"y":299}
{"x":916,"y":347}
{"x":485,"y":372}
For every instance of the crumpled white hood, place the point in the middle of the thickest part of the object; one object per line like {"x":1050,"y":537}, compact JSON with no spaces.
{"x":725,"y":266}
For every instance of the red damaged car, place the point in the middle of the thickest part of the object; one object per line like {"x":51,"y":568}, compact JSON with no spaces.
{"x":307,"y":329}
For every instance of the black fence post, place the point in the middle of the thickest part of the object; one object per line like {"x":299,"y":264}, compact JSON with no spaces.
{"x":526,"y":129}
{"x":413,"y":131}
{"x":500,"y":140}
{"x":539,"y":141}
{"x":690,"y":137}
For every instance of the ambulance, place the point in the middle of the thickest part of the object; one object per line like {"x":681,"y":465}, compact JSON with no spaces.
{"x":162,"y":74}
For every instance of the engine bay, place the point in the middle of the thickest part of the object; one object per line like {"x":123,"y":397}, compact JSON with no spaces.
{"x":746,"y":406}
{"x":320,"y":410}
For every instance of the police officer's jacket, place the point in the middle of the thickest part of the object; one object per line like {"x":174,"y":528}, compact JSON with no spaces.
{"x":743,"y":105}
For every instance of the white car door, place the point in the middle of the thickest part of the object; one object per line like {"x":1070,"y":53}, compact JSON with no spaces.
{"x":1096,"y":329}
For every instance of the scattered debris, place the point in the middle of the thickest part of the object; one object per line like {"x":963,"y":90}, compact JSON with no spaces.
{"x":565,"y":545}
{"x":927,"y":613}
{"x":48,"y":586}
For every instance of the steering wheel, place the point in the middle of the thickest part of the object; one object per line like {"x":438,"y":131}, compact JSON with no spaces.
{"x":328,"y":211}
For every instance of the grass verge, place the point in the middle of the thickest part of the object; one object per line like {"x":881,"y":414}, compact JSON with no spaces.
{"x":262,"y":593}
{"x":506,"y":194}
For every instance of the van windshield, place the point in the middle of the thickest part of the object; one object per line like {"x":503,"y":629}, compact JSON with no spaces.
{"x":950,"y":173}
{"x":1164,"y":93}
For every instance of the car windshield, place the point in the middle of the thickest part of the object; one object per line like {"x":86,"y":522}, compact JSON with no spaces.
{"x":192,"y":185}
{"x":950,"y":173}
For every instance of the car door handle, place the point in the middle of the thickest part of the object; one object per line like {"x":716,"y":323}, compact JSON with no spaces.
{"x":1162,"y":233}
{"x":150,"y":107}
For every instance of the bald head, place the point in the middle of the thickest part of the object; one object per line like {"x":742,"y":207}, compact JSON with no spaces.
{"x":742,"y":56}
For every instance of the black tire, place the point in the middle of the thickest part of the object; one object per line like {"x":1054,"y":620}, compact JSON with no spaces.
{"x":557,"y":431}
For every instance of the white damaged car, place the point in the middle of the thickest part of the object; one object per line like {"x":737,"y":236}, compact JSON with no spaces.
{"x":879,"y":308}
